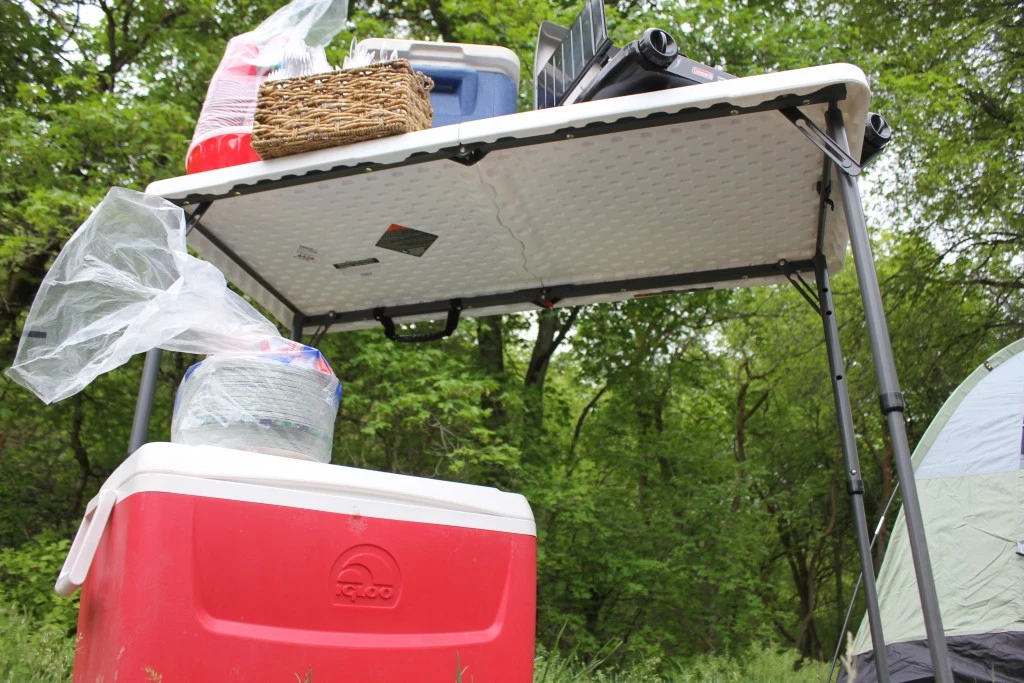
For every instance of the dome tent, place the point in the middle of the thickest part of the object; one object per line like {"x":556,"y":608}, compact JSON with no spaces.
{"x":969,"y":468}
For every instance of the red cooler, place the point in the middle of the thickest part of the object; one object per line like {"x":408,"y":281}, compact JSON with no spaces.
{"x":207,"y":564}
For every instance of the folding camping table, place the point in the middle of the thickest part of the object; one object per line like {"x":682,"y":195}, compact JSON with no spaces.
{"x":734,"y":183}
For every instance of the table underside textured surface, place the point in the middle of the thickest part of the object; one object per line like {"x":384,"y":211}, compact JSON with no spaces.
{"x":706,"y":186}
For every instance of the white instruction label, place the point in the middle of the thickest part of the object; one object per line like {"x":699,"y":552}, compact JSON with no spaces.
{"x":308,"y":254}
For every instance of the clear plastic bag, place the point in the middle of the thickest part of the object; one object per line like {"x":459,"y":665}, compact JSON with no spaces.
{"x":124,"y":284}
{"x":231,"y":98}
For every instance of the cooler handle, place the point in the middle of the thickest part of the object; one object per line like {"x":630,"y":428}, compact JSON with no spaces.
{"x":83,"y":549}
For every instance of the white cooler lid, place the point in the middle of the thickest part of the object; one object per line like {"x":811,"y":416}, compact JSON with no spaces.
{"x":492,"y":58}
{"x":298,"y":478}
{"x":211,"y":472}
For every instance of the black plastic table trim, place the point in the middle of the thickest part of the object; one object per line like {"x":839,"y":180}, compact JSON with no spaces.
{"x":677,"y":282}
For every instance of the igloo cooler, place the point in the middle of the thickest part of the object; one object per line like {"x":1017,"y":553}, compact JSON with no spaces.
{"x":205,"y":564}
{"x":470,"y":81}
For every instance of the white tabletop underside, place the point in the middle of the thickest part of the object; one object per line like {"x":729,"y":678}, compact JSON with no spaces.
{"x":726,"y":193}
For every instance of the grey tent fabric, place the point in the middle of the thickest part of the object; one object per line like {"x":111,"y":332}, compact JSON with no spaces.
{"x":970,"y":480}
{"x":982,"y":658}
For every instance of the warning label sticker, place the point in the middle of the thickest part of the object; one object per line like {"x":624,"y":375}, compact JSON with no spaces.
{"x":308,"y":254}
{"x":344,"y":265}
{"x":406,"y":240}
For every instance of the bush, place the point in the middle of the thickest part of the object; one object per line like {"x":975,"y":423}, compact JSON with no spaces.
{"x":29,"y":652}
{"x":27,"y":575}
{"x":760,"y":664}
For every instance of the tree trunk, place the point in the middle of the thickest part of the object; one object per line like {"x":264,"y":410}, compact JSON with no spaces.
{"x":543,"y":347}
{"x":551,"y":331}
{"x":804,"y":577}
{"x":491,"y":346}
{"x":81,"y":455}
{"x":743,"y":414}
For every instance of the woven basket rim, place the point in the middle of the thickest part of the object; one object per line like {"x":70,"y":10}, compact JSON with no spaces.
{"x":305,"y":113}
{"x":397,"y":65}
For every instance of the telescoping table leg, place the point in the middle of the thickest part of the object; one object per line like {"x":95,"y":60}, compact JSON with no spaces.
{"x":851,"y":461}
{"x":144,"y":405}
{"x":892,"y":404}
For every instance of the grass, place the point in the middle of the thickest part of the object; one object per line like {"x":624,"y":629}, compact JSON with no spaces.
{"x":31,"y":653}
{"x":758,"y":665}
{"x":44,"y":655}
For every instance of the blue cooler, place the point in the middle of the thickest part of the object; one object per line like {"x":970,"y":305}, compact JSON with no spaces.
{"x":470,"y":81}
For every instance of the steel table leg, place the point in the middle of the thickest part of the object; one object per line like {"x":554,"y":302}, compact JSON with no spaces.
{"x":144,"y":405}
{"x":891,"y":400}
{"x":851,"y":462}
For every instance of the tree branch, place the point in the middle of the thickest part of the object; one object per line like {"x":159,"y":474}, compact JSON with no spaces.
{"x":583,"y":416}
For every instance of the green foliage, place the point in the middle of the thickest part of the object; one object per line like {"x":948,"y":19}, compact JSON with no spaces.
{"x":31,"y":653}
{"x":27,"y":576}
{"x":756,"y":665}
{"x":679,"y":452}
{"x":416,"y":409}
{"x":952,"y":79}
{"x":635,"y":522}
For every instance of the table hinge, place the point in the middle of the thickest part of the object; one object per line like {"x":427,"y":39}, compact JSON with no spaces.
{"x":844,"y":162}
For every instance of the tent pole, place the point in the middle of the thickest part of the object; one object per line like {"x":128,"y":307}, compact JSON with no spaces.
{"x":892,"y":404}
{"x":144,"y":404}
{"x":851,"y":460}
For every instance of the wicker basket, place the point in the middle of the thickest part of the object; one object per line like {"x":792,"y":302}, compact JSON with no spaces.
{"x":297,"y":115}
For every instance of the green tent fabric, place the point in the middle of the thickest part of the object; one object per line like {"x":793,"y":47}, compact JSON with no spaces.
{"x":969,"y":468}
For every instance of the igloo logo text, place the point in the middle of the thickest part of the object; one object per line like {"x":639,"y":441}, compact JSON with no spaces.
{"x":367,"y":576}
